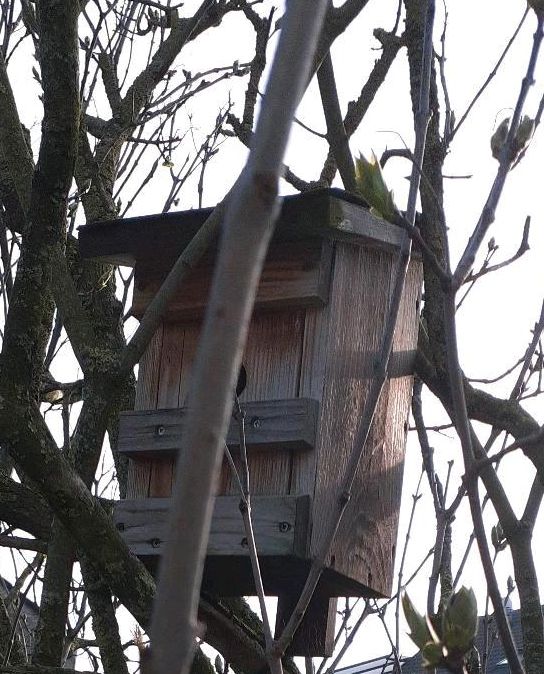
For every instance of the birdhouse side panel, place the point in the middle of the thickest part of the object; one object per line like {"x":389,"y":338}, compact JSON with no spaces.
{"x":399,"y":396}
{"x":360,"y":295}
{"x":378,"y":484}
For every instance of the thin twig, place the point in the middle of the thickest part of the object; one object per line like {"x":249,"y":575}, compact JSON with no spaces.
{"x":490,"y":76}
{"x":522,"y":249}
{"x":507,"y":157}
{"x":465,"y":436}
{"x":416,"y":496}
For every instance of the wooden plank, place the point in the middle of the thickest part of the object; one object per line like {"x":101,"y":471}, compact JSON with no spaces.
{"x":272,"y":360}
{"x":315,"y":634}
{"x":361,"y":550}
{"x":295,"y":274}
{"x":270,"y":424}
{"x":139,"y":472}
{"x":190,"y":346}
{"x":170,"y":366}
{"x":162,"y":471}
{"x":398,"y":408}
{"x":312,"y":380}
{"x":278,"y":527}
{"x":354,"y":224}
{"x":378,"y":484}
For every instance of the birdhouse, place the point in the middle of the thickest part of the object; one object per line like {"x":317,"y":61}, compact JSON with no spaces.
{"x":313,"y":340}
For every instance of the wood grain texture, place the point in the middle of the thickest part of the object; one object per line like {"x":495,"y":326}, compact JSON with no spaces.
{"x":315,"y":635}
{"x":311,"y":384}
{"x":272,"y":361}
{"x":270,"y":425}
{"x":167,"y":397}
{"x":398,"y":409}
{"x":139,"y":472}
{"x":358,"y":306}
{"x":190,"y":346}
{"x":295,"y":274}
{"x":279,"y":529}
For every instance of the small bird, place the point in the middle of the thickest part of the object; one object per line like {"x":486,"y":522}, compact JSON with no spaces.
{"x":242,"y":381}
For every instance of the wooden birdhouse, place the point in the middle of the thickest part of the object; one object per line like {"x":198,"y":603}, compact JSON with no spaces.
{"x":313,"y":340}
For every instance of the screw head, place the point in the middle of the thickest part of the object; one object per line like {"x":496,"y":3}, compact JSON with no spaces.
{"x":256,"y":422}
{"x":155,"y":542}
{"x":160,"y":430}
{"x":284,"y":527}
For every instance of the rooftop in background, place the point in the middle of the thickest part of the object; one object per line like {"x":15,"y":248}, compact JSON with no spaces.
{"x":381,"y":665}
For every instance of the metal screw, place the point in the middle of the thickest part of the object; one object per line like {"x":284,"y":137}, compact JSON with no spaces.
{"x":284,"y":527}
{"x":160,"y":430}
{"x":155,"y":542}
{"x":256,"y":422}
{"x":120,"y":526}
{"x":243,"y":542}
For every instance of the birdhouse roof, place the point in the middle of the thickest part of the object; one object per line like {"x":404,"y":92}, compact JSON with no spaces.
{"x":324,"y":213}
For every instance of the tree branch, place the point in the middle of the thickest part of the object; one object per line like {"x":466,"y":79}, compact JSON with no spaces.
{"x":336,"y":133}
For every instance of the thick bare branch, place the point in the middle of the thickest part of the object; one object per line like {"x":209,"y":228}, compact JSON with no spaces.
{"x":336,"y":132}
{"x":249,"y":223}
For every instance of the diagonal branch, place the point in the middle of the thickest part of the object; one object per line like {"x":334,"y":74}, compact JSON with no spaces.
{"x":15,"y":153}
{"x":358,"y":108}
{"x":336,"y":132}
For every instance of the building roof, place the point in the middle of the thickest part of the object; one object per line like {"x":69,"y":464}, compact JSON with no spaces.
{"x":27,"y":618}
{"x":381,"y":665}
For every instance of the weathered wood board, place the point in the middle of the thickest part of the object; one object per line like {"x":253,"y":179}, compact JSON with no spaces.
{"x":269,"y":425}
{"x":324,"y":213}
{"x":280,"y":523}
{"x":366,"y":539}
{"x":295,"y":274}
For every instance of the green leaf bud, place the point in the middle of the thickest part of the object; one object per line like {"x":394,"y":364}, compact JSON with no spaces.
{"x":372,"y":187}
{"x":419,"y":631}
{"x":460,"y":621}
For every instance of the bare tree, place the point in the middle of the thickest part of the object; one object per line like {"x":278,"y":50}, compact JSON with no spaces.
{"x":118,"y":121}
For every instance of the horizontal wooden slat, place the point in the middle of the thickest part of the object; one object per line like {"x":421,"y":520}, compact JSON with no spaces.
{"x":270,"y":424}
{"x":295,"y":274}
{"x":326,"y":213}
{"x":280,"y":524}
